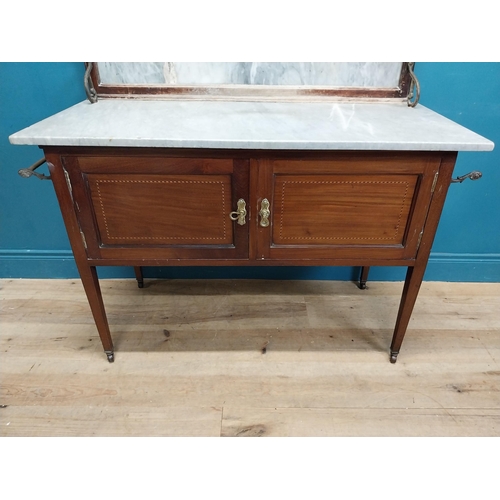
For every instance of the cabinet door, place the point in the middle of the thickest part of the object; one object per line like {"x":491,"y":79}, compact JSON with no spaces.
{"x":345,"y":207}
{"x":157,"y":207}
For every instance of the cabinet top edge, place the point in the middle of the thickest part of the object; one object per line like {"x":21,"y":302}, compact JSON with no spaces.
{"x":252,"y":126}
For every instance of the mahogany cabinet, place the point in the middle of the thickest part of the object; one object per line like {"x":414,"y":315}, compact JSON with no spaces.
{"x":163,"y":206}
{"x":248,"y":163}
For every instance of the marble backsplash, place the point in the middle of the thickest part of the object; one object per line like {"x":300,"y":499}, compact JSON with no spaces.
{"x":321,"y":74}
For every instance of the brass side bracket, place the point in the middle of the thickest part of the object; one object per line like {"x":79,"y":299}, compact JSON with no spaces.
{"x":88,"y":85}
{"x":414,"y":92}
{"x":473,"y":176}
{"x":28,"y":172}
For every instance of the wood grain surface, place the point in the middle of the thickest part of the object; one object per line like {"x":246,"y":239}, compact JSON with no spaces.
{"x":248,"y":358}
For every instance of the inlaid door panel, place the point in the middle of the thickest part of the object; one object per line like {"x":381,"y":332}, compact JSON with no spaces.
{"x":342,"y":209}
{"x":162,"y":209}
{"x":154,"y":206}
{"x":346,"y":208}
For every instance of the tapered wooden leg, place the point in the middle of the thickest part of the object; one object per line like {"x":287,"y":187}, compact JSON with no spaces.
{"x":415,"y":274}
{"x":66,"y":178}
{"x":88,"y":275}
{"x":364,"y":277}
{"x":414,"y":277}
{"x":139,"y":277}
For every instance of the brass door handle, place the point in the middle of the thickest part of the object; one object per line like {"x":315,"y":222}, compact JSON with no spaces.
{"x":240,"y":213}
{"x":264,"y":213}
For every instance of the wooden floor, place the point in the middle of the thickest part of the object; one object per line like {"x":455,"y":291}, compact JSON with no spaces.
{"x":249,"y":358}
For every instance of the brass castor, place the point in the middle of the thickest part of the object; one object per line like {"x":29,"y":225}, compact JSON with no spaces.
{"x":139,"y":276}
{"x":363,"y":278}
{"x":394,"y":356}
{"x":110,"y":355}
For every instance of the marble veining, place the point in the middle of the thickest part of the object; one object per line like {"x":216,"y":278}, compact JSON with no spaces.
{"x":252,"y":125}
{"x":324,"y":74}
{"x":131,"y":72}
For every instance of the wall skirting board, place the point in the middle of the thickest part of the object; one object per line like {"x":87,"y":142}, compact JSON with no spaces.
{"x":46,"y":264}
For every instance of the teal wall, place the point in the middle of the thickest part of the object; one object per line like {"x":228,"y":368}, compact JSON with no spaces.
{"x":33,"y":241}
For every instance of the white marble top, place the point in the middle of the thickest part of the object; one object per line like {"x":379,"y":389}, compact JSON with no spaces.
{"x":252,"y":125}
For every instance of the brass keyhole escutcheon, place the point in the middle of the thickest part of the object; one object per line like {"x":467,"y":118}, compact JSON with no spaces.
{"x":240,"y":214}
{"x":264,"y":213}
